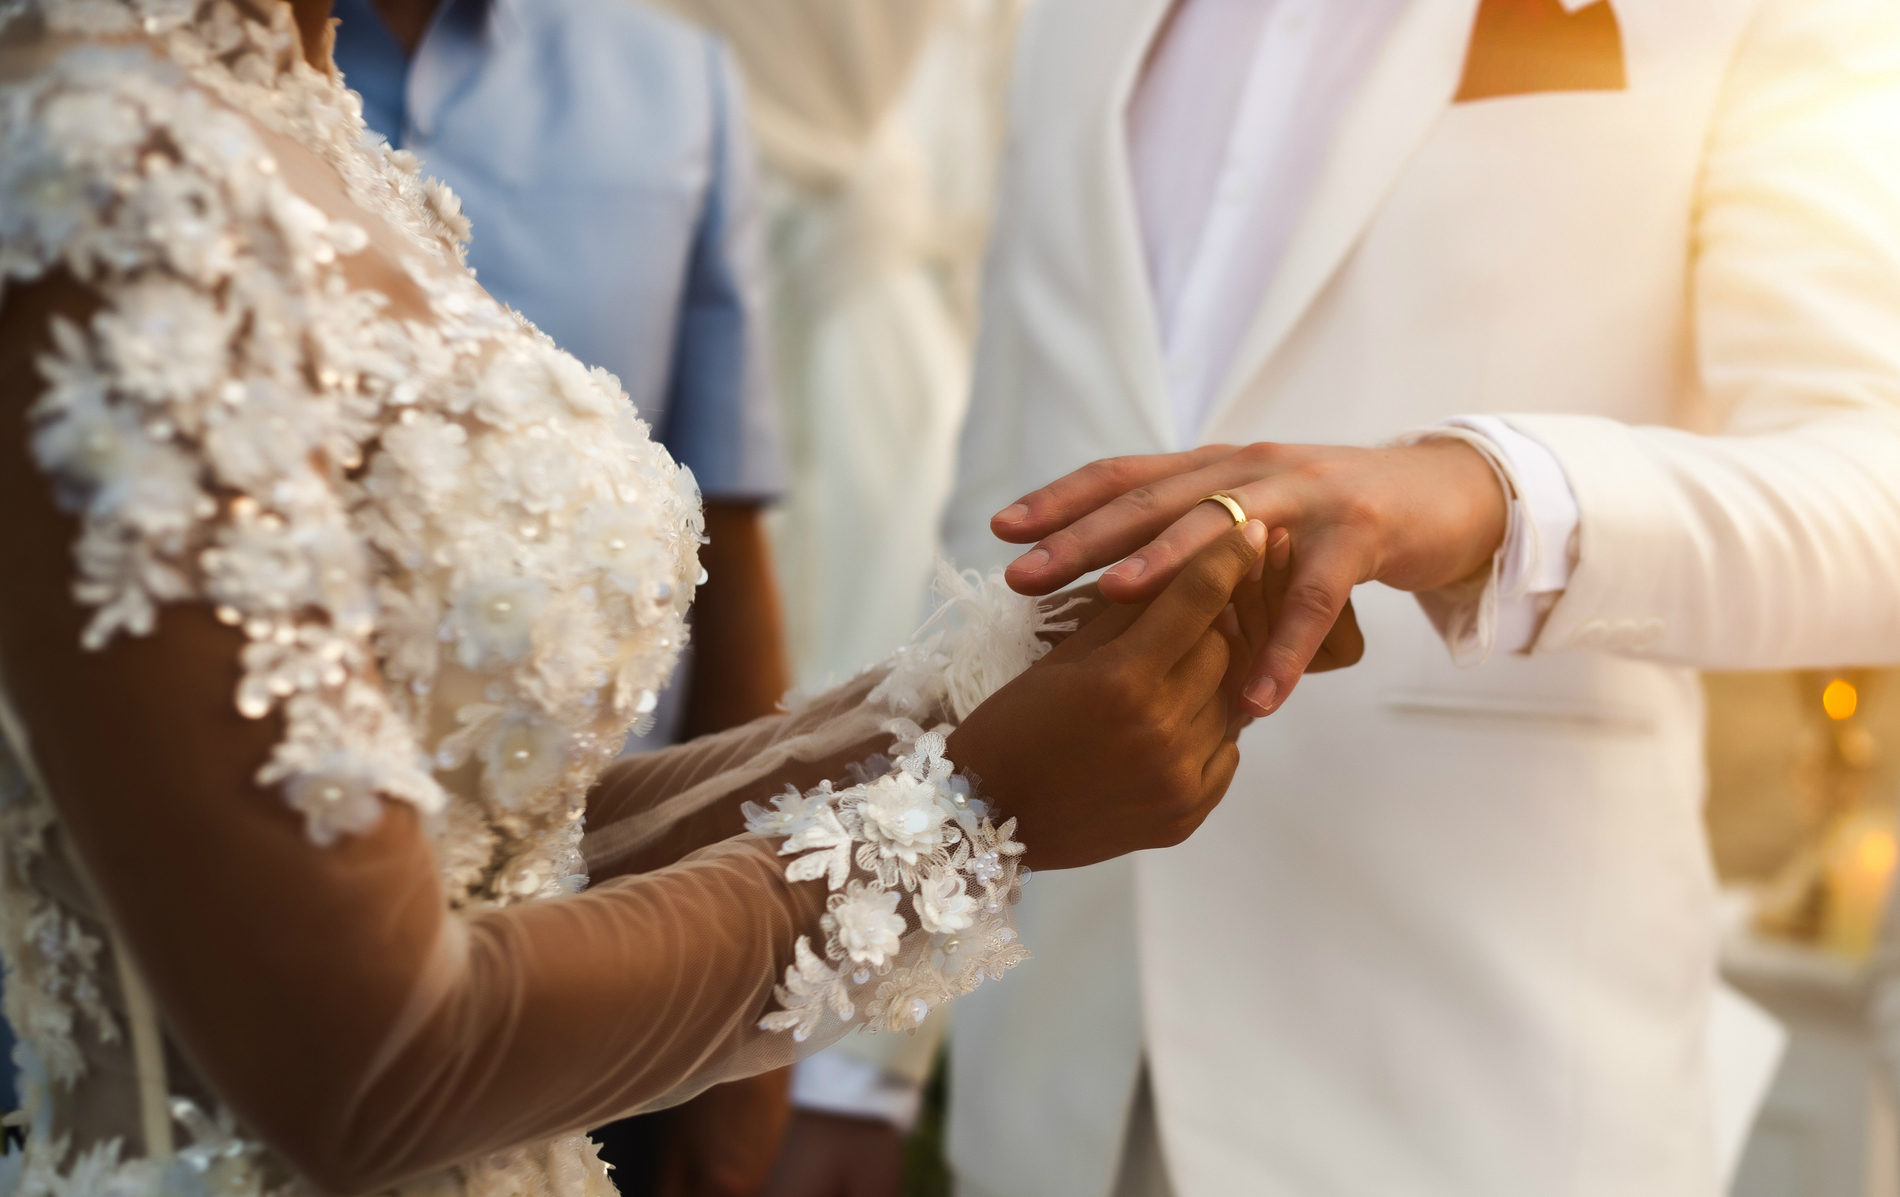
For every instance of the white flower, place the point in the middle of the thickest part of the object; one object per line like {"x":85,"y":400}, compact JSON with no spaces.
{"x":167,"y":341}
{"x":89,"y":444}
{"x":864,"y":923}
{"x":826,"y":844}
{"x":621,"y":540}
{"x":686,"y":486}
{"x":447,"y":207}
{"x":811,"y":986}
{"x":536,"y":470}
{"x":43,"y":199}
{"x":590,"y":392}
{"x":108,"y":465}
{"x":791,"y":811}
{"x":495,"y":619}
{"x":94,"y":127}
{"x":904,"y":1001}
{"x":432,"y":451}
{"x":524,"y":756}
{"x":942,"y":906}
{"x":902,"y":817}
{"x":512,"y":390}
{"x":338,"y":798}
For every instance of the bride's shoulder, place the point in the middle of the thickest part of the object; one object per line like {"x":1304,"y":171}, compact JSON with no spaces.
{"x":192,"y":138}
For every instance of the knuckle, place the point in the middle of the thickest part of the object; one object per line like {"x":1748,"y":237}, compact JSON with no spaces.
{"x":1100,"y":473}
{"x":1261,"y":453}
{"x":1142,"y":500}
{"x":1208,"y":586}
{"x":1310,"y":598}
{"x":1122,"y":687}
{"x":1185,"y":822}
{"x":1061,"y":545}
{"x":1317,"y":472}
{"x":1115,"y":472}
{"x":1212,"y":651}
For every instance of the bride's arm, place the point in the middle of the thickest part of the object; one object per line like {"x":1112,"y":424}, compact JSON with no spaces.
{"x":649,"y":810}
{"x":366,"y":1031}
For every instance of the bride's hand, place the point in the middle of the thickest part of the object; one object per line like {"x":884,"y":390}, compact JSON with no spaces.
{"x":1118,"y":740}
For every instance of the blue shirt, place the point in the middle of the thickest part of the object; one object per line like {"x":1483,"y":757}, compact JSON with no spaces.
{"x":599,"y":150}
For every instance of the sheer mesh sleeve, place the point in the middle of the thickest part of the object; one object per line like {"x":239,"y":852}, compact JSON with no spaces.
{"x":378,"y":1034}
{"x":653,"y":808}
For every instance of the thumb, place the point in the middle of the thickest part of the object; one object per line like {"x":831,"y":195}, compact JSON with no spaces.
{"x":1182,"y":613}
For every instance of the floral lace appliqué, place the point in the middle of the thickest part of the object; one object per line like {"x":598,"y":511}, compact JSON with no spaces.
{"x":908,"y":849}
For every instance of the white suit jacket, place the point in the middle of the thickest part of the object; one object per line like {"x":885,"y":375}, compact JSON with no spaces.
{"x":1451,"y":930}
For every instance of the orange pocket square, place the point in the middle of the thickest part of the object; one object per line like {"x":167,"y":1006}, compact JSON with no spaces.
{"x":1519,"y":47}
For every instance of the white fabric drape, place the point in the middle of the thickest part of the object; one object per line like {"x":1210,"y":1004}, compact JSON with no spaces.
{"x":870,"y":267}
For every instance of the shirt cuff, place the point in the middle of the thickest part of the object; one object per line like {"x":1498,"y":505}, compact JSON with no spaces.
{"x":1539,"y":553}
{"x":834,"y":1083}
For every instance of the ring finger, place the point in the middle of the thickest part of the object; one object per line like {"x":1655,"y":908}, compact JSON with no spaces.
{"x":1276,"y":501}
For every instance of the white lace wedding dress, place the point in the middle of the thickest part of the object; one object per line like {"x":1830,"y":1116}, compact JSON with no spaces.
{"x":455,"y":569}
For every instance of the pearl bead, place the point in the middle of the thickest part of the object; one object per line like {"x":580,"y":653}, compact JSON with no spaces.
{"x":501,"y":606}
{"x":617,"y":544}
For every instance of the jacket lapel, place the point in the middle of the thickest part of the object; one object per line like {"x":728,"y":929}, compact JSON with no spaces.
{"x":1133,"y":325}
{"x":1405,"y":92}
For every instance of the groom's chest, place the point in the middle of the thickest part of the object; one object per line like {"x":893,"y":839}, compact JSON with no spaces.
{"x":1513,"y":183}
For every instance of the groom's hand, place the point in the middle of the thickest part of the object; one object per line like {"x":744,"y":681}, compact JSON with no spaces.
{"x":1415,"y":517}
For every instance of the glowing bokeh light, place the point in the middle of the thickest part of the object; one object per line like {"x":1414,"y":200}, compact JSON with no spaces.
{"x":1840,"y":699}
{"x":1877,"y":852}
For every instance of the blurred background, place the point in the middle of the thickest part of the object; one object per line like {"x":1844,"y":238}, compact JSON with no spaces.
{"x":1803,"y":773}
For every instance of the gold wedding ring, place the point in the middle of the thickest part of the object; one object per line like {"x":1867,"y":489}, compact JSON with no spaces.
{"x":1230,"y":503}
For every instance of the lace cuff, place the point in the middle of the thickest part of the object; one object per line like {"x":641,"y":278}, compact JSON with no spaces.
{"x":921,"y":881}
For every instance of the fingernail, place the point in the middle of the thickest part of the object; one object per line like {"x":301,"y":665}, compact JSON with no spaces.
{"x":1015,"y":513}
{"x":1260,"y":694}
{"x":1032,"y":562}
{"x":1256,"y":534}
{"x":1130,"y":569}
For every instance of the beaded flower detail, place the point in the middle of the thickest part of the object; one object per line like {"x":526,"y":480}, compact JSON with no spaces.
{"x":459,"y":563}
{"x":918,"y":836}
